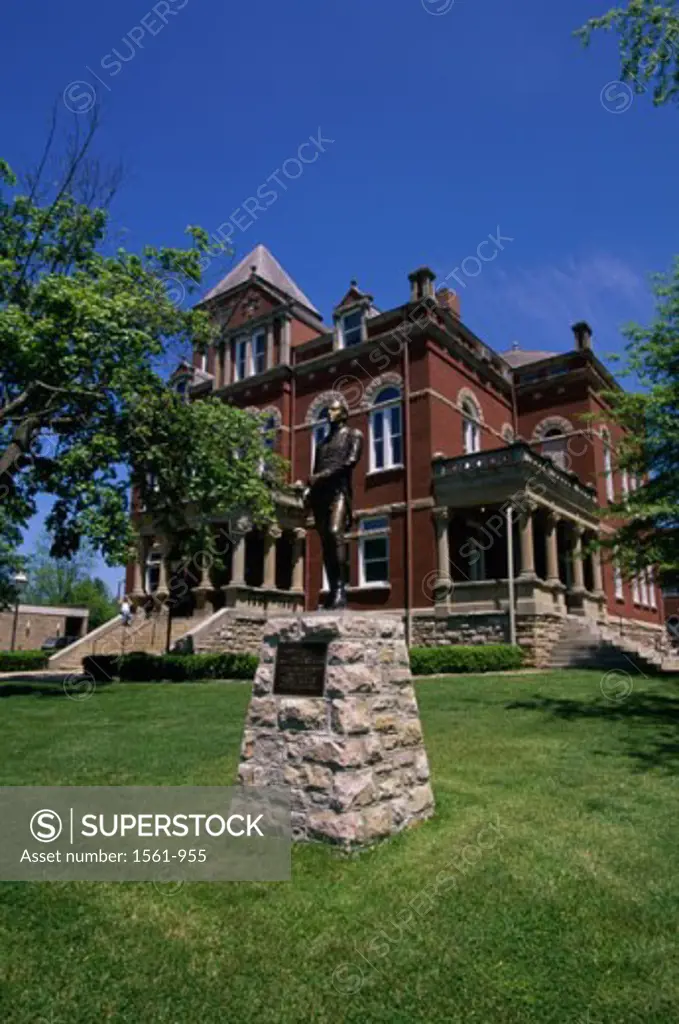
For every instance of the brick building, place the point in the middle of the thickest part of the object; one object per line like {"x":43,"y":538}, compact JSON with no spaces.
{"x":478,"y":467}
{"x":31,"y":625}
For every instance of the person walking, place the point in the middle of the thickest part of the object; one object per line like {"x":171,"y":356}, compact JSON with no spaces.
{"x":126,"y":610}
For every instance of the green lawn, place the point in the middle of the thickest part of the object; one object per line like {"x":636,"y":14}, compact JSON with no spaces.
{"x":569,"y":914}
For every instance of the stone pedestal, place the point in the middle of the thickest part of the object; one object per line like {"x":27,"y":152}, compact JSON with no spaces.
{"x":353,"y":758}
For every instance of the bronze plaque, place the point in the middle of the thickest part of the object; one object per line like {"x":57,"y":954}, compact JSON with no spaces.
{"x":300,"y":670}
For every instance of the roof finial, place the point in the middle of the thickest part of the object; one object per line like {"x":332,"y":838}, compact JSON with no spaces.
{"x":253,"y":268}
{"x":515,"y":345}
{"x":353,"y":283}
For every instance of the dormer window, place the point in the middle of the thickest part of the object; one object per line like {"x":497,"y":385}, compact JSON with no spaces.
{"x":351,"y":326}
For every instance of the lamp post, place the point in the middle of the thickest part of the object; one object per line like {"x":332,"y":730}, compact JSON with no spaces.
{"x":19,"y":579}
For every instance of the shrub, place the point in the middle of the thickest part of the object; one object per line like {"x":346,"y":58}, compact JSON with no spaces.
{"x":22,"y":661}
{"x":178,"y":668}
{"x":102,"y":667}
{"x":427,"y":661}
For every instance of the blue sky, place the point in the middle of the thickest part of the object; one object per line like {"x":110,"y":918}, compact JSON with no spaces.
{"x":447,"y":120}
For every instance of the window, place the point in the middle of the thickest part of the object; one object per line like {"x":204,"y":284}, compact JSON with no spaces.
{"x":554,"y":447}
{"x":617,"y":578}
{"x":608,"y":466}
{"x":202,"y":364}
{"x":651,"y":587}
{"x":373,"y":556}
{"x":635,"y":590}
{"x":241,"y":366}
{"x":352,"y":329}
{"x":633,"y":481}
{"x":259,"y":352}
{"x":386,"y":432}
{"x":625,"y":483}
{"x":153,"y":572}
{"x":644,"y":588}
{"x":269,"y":430}
{"x":318,"y":432}
{"x":471,"y":432}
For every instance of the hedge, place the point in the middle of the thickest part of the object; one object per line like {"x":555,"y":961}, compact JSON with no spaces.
{"x":428,"y":661}
{"x":175,"y":668}
{"x":22,"y":661}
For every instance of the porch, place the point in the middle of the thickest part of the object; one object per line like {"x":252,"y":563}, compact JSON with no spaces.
{"x":510,"y":520}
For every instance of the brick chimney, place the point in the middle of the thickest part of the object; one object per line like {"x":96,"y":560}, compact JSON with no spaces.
{"x":421,"y":284}
{"x":583,"y":335}
{"x":450,"y":300}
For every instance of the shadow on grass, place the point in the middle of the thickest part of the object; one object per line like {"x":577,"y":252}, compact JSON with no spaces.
{"x":61,"y":687}
{"x":653,"y":720}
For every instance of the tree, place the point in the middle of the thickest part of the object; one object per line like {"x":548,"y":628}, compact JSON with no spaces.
{"x":649,"y":45}
{"x":83,"y":330}
{"x":649,"y":534}
{"x":68,"y":581}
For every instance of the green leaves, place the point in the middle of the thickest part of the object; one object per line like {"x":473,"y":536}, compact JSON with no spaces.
{"x":84,"y":412}
{"x":649,"y":45}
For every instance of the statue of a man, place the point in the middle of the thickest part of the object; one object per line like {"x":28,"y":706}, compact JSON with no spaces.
{"x":328,"y":495}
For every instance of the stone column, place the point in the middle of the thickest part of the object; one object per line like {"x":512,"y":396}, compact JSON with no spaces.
{"x":527,"y":548}
{"x":442,"y":582}
{"x":204,"y":585}
{"x":597,"y":574}
{"x":269,"y":346}
{"x":286,"y":340}
{"x":578,"y":567}
{"x":162,"y":592}
{"x":226,"y":363}
{"x":552,"y":548}
{"x":298,"y":559}
{"x":272,"y":535}
{"x":238,"y":560}
{"x":139,"y":567}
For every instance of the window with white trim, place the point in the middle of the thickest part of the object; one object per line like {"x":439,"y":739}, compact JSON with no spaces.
{"x":554,"y":447}
{"x":203,"y":362}
{"x":242,"y":359}
{"x":618,"y":582}
{"x":351,"y":329}
{"x":471,"y":430}
{"x":319,"y":432}
{"x":651,"y":588}
{"x":269,"y":431}
{"x":644,"y":588}
{"x":625,"y":483}
{"x":608,"y":466}
{"x":259,"y":352}
{"x":636,"y":594}
{"x":386,"y":430}
{"x":373,"y":552}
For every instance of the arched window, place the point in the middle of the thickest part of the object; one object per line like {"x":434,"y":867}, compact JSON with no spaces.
{"x":608,"y":465}
{"x":319,"y":431}
{"x":471,"y":431}
{"x":386,"y":431}
{"x":554,"y":446}
{"x":269,"y":430}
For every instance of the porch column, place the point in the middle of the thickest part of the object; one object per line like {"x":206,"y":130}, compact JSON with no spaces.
{"x":269,"y":346}
{"x":162,"y":591}
{"x":597,"y":574}
{"x":578,"y":567}
{"x":527,"y":546}
{"x":552,"y":549}
{"x":298,"y":560}
{"x":272,"y":535}
{"x":238,"y":560}
{"x":139,"y":570}
{"x":201,"y":590}
{"x":442,"y":580}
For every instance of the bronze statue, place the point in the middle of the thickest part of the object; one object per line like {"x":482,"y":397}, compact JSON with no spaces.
{"x":328,"y":495}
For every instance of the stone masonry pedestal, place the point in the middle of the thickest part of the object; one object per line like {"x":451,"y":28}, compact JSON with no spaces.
{"x":353,"y":759}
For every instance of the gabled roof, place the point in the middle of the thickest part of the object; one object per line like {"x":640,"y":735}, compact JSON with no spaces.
{"x":268,"y":269}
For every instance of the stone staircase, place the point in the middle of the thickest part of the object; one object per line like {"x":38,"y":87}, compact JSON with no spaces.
{"x":585,"y":644}
{"x":143,"y":634}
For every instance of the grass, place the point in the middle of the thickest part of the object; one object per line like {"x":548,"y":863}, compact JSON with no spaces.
{"x":568,"y":914}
